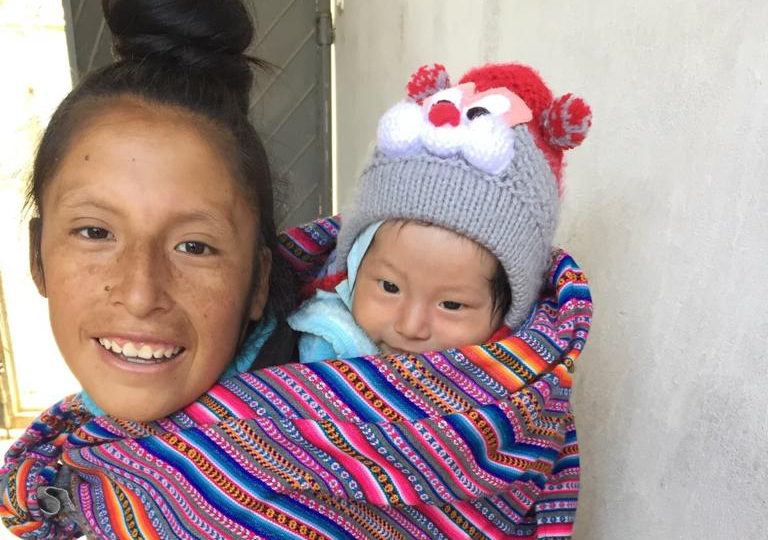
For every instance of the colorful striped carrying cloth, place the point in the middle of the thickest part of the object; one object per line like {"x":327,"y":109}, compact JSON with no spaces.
{"x":477,"y":442}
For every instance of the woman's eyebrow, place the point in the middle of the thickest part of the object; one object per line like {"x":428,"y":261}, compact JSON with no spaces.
{"x":74,"y":203}
{"x":223,"y":223}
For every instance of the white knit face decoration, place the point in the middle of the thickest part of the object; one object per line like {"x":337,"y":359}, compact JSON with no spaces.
{"x":457,"y":121}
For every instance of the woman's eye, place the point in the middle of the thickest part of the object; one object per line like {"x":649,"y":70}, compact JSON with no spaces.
{"x":93,"y":233}
{"x":451,"y":306}
{"x":194,"y":248}
{"x":388,"y":286}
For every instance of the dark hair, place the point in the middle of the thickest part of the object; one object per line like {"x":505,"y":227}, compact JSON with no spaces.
{"x":189,"y":55}
{"x":501,"y":293}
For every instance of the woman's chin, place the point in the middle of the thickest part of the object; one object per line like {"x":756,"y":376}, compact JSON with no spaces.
{"x":135,"y":410}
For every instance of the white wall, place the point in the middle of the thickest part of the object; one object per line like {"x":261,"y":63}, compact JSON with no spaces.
{"x":666,"y":208}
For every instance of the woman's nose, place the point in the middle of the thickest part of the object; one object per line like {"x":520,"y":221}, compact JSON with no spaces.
{"x":140,"y":280}
{"x":413,"y":321}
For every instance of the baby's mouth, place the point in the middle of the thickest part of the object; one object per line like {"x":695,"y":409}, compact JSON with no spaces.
{"x":139,"y":352}
{"x":386,"y":349}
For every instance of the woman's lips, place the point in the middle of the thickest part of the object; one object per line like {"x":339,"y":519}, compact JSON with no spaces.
{"x":140,"y":351}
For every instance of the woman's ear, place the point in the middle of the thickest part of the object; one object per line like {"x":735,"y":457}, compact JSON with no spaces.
{"x":263,"y":265}
{"x":35,"y":254}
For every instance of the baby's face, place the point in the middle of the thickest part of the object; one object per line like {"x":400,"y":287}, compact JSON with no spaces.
{"x":421,"y":288}
{"x":147,"y":250}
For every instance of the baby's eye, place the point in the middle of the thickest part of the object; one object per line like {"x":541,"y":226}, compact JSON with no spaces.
{"x":388,"y":286}
{"x":93,"y":233}
{"x":451,"y":306}
{"x":192,"y":247}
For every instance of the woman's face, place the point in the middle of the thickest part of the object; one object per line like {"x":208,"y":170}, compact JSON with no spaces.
{"x":147,"y":257}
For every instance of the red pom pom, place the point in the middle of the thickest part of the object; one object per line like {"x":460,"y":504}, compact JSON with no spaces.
{"x":426,"y":81}
{"x":566,"y":121}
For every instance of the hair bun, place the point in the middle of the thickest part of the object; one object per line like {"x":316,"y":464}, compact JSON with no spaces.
{"x":210,"y":35}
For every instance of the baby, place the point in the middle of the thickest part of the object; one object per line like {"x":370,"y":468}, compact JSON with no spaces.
{"x":450,"y":233}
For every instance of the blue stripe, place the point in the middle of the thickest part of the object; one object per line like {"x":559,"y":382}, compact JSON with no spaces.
{"x":563,"y":463}
{"x":477,"y":446}
{"x":267,"y":404}
{"x":570,"y":291}
{"x":378,"y":382}
{"x":341,"y":386}
{"x":251,"y":484}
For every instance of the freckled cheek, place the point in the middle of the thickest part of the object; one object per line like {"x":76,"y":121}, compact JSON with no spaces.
{"x":73,"y":279}
{"x":73,"y":292}
{"x":218,"y":304}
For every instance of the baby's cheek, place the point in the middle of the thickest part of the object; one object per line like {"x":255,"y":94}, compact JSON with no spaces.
{"x":366,"y":314}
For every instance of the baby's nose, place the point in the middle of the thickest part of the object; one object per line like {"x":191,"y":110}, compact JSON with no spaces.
{"x":444,"y":112}
{"x":413,"y":323}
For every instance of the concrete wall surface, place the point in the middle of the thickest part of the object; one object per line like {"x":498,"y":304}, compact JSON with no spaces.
{"x":666,"y":207}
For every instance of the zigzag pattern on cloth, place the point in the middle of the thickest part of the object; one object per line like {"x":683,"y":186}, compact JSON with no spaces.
{"x":476,"y":442}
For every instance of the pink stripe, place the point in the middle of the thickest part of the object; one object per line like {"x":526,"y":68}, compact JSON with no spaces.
{"x":555,"y":529}
{"x":200,"y":414}
{"x":466,"y":384}
{"x":232,"y":402}
{"x":274,"y":397}
{"x":358,"y":441}
{"x":360,"y":473}
{"x":478,"y":520}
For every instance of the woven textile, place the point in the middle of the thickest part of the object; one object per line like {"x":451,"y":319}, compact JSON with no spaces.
{"x":477,"y":442}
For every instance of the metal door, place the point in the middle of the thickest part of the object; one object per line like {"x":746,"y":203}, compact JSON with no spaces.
{"x":290,"y":105}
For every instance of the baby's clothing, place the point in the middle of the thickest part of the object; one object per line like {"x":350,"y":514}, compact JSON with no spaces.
{"x":328,"y":330}
{"x":325,"y":323}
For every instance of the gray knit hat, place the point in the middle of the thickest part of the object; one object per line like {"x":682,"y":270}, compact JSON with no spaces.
{"x":483,"y":159}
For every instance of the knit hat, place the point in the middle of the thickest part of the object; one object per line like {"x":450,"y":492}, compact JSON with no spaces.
{"x":483,"y":158}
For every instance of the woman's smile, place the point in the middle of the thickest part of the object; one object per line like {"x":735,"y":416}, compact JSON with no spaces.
{"x":141,"y":351}
{"x":133,"y":367}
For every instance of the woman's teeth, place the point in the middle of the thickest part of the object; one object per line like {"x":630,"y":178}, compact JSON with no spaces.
{"x":136,"y":352}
